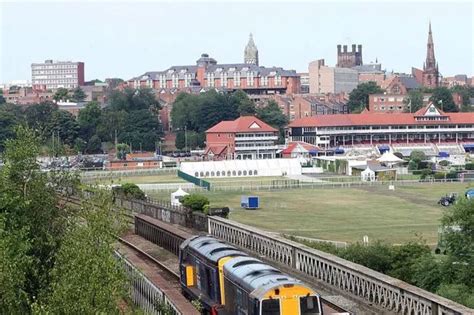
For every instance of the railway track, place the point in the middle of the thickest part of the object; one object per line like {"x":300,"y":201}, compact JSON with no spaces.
{"x":170,"y":238}
{"x":171,"y":274}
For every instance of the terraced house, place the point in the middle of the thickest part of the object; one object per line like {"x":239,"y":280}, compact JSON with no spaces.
{"x":208,"y":74}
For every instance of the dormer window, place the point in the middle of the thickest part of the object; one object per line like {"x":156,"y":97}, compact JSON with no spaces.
{"x":170,"y":71}
{"x":232,"y":69}
{"x":245,"y":69}
{"x":219,"y":70}
{"x":183,"y":70}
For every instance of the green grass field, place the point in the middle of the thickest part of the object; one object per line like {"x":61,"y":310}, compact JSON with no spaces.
{"x":345,"y":214}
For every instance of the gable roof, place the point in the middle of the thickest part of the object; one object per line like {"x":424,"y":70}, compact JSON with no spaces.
{"x":242,"y":124}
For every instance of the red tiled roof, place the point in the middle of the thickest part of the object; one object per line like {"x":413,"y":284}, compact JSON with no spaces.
{"x":242,"y":124}
{"x":293,"y":145}
{"x":216,"y":150}
{"x":382,"y":119}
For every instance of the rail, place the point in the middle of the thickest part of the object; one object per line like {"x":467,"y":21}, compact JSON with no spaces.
{"x":144,"y":293}
{"x":357,"y":281}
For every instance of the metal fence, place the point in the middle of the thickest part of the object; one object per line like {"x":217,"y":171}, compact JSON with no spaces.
{"x":109,"y":174}
{"x":145,"y":294}
{"x":196,"y":181}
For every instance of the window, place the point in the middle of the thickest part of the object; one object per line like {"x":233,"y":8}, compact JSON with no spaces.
{"x":277,"y":79}
{"x":236,"y":78}
{"x":309,"y":305}
{"x":271,"y":307}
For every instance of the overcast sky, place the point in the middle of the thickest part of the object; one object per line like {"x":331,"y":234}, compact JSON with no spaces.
{"x":127,"y":39}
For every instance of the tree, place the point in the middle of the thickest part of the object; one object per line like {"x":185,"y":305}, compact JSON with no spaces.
{"x":272,"y":115}
{"x":7,"y":124}
{"x":130,"y":190}
{"x":64,"y":124}
{"x":89,"y":118}
{"x":414,"y":101}
{"x":359,"y":97}
{"x":87,"y":278}
{"x":38,"y":118}
{"x":2,"y":99}
{"x":122,"y":151}
{"x":29,"y":210}
{"x":78,"y":95}
{"x":94,"y":145}
{"x":61,"y":94}
{"x":245,"y":106}
{"x":443,"y":98}
{"x":195,"y":202}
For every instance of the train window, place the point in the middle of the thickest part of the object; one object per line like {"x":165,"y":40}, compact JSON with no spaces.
{"x":271,"y":307}
{"x":309,"y":305}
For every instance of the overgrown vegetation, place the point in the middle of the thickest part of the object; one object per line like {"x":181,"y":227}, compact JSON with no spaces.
{"x":450,"y":275}
{"x":195,"y":202}
{"x":54,"y":259}
{"x":130,"y":191}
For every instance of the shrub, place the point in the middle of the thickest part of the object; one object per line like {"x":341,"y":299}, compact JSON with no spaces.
{"x":130,"y":190}
{"x":195,"y":202}
{"x":412,"y":165}
{"x":440,"y":175}
{"x":469,"y":166}
{"x":444,"y":163}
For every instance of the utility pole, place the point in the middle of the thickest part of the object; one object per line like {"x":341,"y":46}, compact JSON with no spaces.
{"x":185,"y":139}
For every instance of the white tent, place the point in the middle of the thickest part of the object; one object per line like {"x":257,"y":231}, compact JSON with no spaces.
{"x":390,"y":159}
{"x":367,"y":175}
{"x":177,"y":195}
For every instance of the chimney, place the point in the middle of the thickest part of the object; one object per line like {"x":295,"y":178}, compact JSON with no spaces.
{"x":353,"y":48}
{"x":338,"y":49}
{"x":359,"y":48}
{"x":345,"y":48}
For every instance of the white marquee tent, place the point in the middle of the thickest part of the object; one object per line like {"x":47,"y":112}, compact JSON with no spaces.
{"x":177,"y":195}
{"x":242,"y":168}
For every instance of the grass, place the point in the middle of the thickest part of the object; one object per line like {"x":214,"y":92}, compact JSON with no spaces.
{"x":145,"y":179}
{"x":345,"y":214}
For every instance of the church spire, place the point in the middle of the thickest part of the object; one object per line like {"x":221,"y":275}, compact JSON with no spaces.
{"x":430,"y":62}
{"x":251,"y":52}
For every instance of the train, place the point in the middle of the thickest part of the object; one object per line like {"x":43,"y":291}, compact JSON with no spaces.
{"x":227,"y":281}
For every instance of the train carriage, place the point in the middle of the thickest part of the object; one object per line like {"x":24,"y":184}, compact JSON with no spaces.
{"x":228,"y":281}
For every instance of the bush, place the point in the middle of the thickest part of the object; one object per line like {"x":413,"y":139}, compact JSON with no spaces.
{"x":195,"y":202}
{"x":130,"y":190}
{"x":444,"y":163}
{"x":440,"y":175}
{"x":469,"y":166}
{"x":412,"y":165}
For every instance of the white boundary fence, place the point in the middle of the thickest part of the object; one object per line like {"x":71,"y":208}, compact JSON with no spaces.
{"x":353,"y":280}
{"x":144,"y":293}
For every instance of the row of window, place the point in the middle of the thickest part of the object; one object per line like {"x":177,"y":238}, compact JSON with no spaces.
{"x":388,"y":107}
{"x":71,"y":81}
{"x":228,"y":173}
{"x":54,"y":66}
{"x":37,"y":72}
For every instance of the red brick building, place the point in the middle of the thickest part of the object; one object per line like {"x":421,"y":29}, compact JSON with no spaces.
{"x":207,"y":73}
{"x":247,"y":137}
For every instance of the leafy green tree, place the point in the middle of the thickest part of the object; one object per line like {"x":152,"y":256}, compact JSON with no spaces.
{"x":87,"y":278}
{"x":89,"y":118}
{"x":130,"y":190}
{"x":94,"y":145}
{"x":7,"y":123}
{"x":78,"y":95}
{"x":443,"y":99}
{"x":2,"y":99}
{"x":61,"y":94}
{"x":359,"y":97}
{"x":64,"y":124}
{"x":377,"y":256}
{"x":133,"y":99}
{"x":272,"y":115}
{"x":414,"y":101}
{"x":38,"y":118}
{"x":245,"y":106}
{"x":195,"y":202}
{"x":29,"y":204}
{"x":404,"y":258}
{"x":80,"y":145}
{"x":122,"y":151}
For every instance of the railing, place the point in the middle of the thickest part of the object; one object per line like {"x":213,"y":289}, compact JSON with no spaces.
{"x":110,"y":174}
{"x":145,"y":294}
{"x":343,"y":276}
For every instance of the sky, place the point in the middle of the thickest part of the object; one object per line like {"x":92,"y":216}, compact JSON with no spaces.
{"x":127,"y":39}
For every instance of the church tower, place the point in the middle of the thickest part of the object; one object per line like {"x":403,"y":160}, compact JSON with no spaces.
{"x":251,"y":52}
{"x":430,"y":67}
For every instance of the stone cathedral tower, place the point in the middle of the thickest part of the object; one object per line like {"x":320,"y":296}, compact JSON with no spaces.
{"x":251,"y":52}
